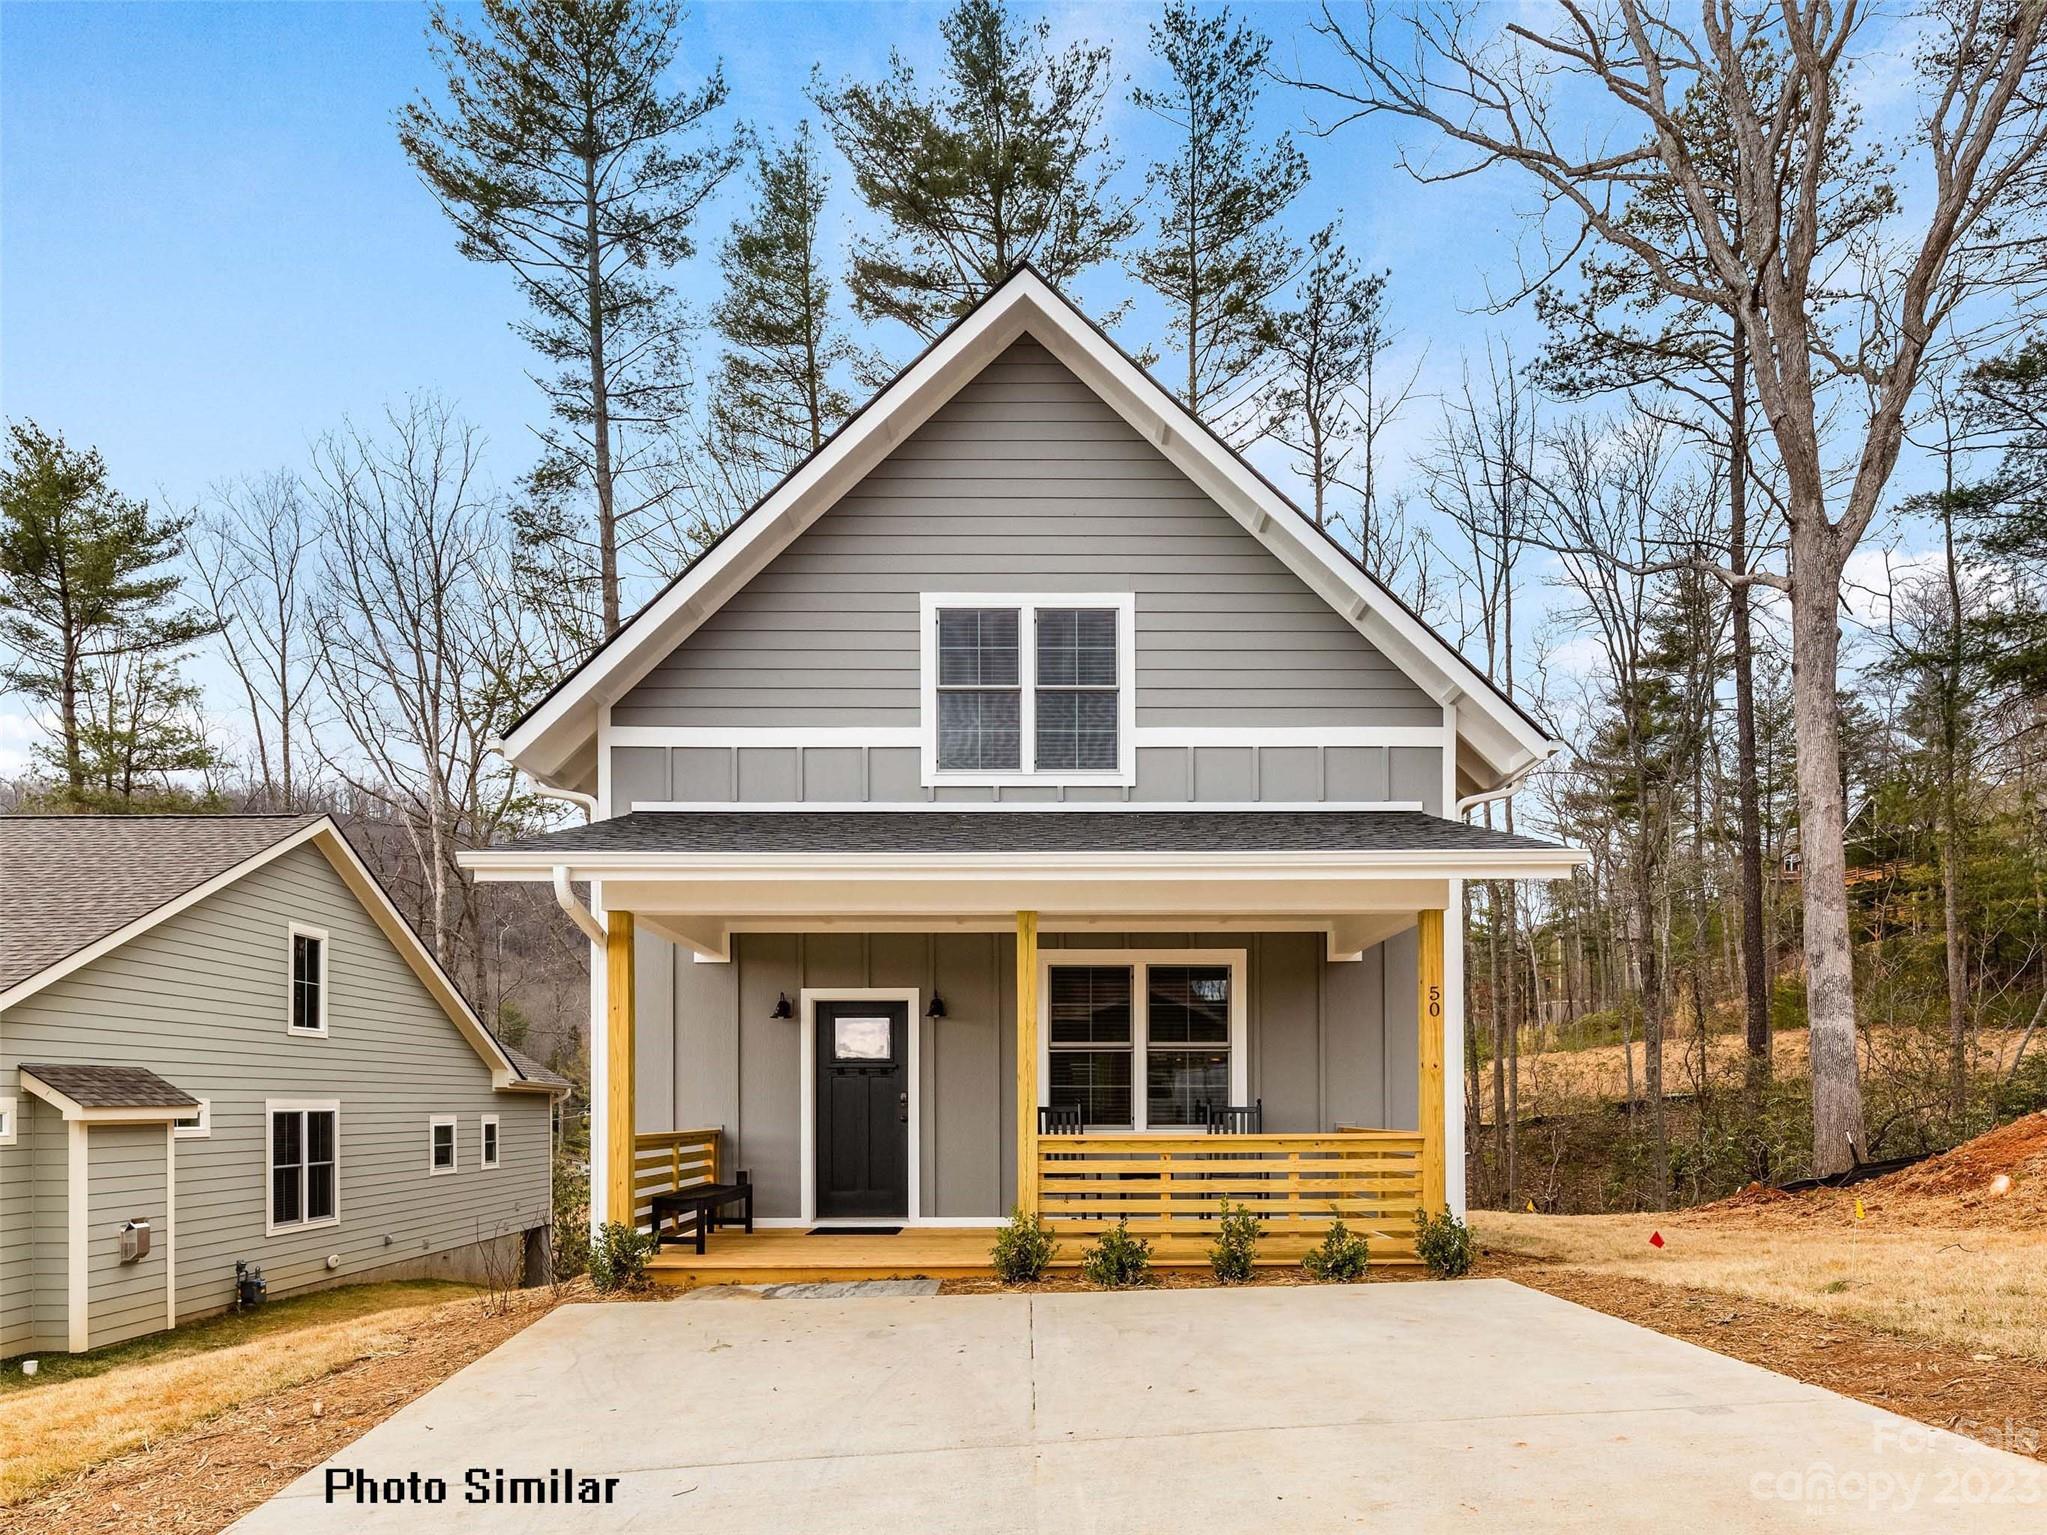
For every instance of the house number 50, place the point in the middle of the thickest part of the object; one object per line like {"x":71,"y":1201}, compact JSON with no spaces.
{"x":1435,"y":1001}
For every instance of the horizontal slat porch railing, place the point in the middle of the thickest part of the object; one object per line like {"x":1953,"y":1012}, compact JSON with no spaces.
{"x":670,"y":1159}
{"x":1171,"y":1188}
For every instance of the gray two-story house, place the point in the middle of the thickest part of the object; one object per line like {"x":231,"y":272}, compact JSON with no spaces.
{"x":222,"y":1049}
{"x":1025,"y":806}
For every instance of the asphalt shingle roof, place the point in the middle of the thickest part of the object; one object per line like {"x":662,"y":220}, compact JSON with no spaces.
{"x":111,"y":1087}
{"x":68,"y":881}
{"x":532,"y":1070}
{"x":1024,"y":831}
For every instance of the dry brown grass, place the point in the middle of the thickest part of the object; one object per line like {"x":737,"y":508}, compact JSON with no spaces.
{"x":1977,"y":1290}
{"x":57,"y":1430}
{"x":1601,"y":1071}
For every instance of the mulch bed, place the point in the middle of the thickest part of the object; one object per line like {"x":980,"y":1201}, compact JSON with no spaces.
{"x":1999,"y":1400}
{"x":203,"y":1478}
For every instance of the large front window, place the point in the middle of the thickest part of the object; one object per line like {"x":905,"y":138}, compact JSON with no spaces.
{"x":1028,"y":689}
{"x":1137,"y":1041}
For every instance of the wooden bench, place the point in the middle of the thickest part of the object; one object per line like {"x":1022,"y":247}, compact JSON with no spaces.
{"x":704,"y":1201}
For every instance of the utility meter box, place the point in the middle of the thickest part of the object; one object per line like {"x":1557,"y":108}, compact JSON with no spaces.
{"x":135,"y":1240}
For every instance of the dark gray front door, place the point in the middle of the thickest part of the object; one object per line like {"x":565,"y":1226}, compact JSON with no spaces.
{"x":863,"y":1109}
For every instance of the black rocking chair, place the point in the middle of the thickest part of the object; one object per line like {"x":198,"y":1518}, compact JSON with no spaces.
{"x":1236,"y":1118}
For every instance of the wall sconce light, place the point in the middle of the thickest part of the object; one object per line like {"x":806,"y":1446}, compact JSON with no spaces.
{"x":782,"y":1007}
{"x":937,"y":1007}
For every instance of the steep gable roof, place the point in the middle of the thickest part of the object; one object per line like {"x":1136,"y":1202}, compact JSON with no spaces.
{"x":75,"y":887}
{"x":554,"y":740}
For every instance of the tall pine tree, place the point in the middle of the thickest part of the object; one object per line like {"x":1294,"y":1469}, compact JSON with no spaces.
{"x":560,"y":156}
{"x":1005,"y":162}
{"x":91,"y":620}
{"x":777,"y":398}
{"x":1219,"y":257}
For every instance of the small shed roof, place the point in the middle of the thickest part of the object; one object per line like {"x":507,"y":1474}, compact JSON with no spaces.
{"x":110,"y":1087}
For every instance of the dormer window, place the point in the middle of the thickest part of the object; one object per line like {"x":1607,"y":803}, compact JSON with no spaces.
{"x":1028,"y":689}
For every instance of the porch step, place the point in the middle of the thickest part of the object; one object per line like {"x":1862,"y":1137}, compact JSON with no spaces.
{"x":789,"y":1256}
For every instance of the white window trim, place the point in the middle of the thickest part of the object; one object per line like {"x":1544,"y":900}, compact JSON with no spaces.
{"x":437,"y":1122}
{"x":1139,"y":961}
{"x":1026,"y":605}
{"x":271,"y":1108}
{"x":200,"y":1131}
{"x":10,"y":1120}
{"x":490,"y":1141}
{"x":292,"y":933}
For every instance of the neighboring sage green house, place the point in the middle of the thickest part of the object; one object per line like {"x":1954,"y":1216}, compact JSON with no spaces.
{"x":221,"y":1045}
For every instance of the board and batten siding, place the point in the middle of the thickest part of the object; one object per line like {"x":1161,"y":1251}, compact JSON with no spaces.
{"x":1025,"y":481}
{"x":1330,"y":1043}
{"x":201,"y":999}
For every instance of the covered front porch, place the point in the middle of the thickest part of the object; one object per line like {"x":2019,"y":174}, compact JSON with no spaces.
{"x":904,"y":1024}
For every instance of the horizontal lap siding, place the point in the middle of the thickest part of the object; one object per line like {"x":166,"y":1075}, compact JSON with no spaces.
{"x":1326,"y":1040}
{"x":201,"y":1000}
{"x":126,"y":1163}
{"x":1026,"y":481}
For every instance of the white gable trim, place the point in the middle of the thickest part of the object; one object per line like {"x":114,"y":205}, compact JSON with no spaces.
{"x":326,"y":836}
{"x":561,"y":726}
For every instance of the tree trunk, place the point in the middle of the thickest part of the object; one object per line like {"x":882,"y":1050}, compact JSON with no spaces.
{"x":600,"y":397}
{"x":1951,"y":826}
{"x":1755,"y":954}
{"x":1838,"y":1134}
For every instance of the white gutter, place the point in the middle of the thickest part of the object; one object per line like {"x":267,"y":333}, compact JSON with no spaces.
{"x":587,"y":803}
{"x":579,"y":914}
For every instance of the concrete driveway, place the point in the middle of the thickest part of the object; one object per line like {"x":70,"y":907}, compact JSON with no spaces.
{"x":1472,"y":1406}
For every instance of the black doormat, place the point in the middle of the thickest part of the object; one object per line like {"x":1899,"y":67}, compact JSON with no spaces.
{"x":855,"y":1231}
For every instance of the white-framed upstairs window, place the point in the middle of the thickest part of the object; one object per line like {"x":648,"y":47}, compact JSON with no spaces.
{"x":306,"y":952}
{"x":197,"y":1125}
{"x":441,"y":1155}
{"x":487,"y":1141}
{"x":1024,"y":688}
{"x":302,"y":1164}
{"x":10,"y":1127}
{"x":1143,"y":1040}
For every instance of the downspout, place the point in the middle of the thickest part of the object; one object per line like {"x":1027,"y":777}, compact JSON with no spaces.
{"x":587,"y":803}
{"x":578,"y":913}
{"x":1509,"y":789}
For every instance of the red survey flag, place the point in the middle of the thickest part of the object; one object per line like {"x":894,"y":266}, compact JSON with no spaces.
{"x":1655,"y":1239}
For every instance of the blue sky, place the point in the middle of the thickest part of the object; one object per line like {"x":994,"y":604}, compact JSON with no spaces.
{"x":212,"y":249}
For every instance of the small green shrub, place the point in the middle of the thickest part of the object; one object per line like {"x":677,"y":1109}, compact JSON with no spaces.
{"x":1236,"y":1241}
{"x":618,"y":1258}
{"x":1023,"y":1248}
{"x":1117,"y":1260}
{"x":1342,"y":1257}
{"x":1444,"y":1245}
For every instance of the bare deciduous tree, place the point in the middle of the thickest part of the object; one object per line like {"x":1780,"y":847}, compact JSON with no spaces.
{"x":1852,"y":354}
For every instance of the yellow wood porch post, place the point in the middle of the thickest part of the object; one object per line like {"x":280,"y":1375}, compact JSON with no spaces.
{"x":620,"y":1120}
{"x":1027,"y":1061}
{"x":1429,"y":1057}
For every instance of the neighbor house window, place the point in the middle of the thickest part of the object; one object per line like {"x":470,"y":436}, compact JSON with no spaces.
{"x":197,"y":1125}
{"x":490,"y":1141}
{"x":441,"y":1144}
{"x":308,"y":980}
{"x":1144,"y":1039}
{"x":1089,"y":1043}
{"x":1028,"y":689}
{"x":304,"y":1164}
{"x":7,"y":1125}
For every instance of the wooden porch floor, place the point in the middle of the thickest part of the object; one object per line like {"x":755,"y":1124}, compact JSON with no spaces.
{"x":787,"y":1255}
